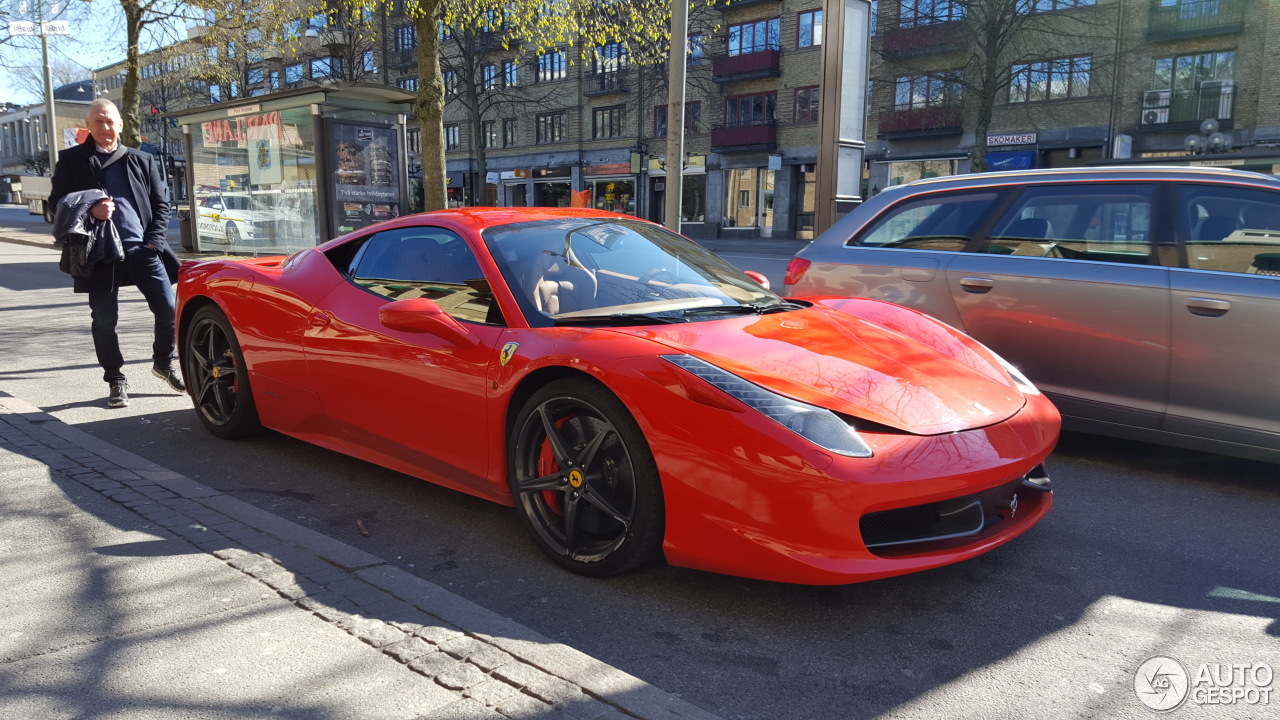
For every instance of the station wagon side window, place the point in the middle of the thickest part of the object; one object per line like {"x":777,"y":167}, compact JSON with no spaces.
{"x":1230,"y":229}
{"x":1095,"y":222}
{"x":934,"y":222}
{"x":425,"y":262}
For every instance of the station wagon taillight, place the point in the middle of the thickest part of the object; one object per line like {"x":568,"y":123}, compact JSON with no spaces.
{"x":795,"y":270}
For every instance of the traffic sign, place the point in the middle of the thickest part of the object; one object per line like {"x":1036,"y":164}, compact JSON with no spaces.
{"x":22,"y":27}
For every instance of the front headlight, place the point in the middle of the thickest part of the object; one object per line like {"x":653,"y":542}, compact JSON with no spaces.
{"x":1019,"y":379}
{"x":817,"y":425}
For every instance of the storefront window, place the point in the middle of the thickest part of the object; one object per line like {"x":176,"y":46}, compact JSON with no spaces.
{"x":693,"y":198}
{"x":904,"y":172}
{"x":807,"y":190}
{"x":552,"y":194}
{"x":748,"y":198}
{"x":255,"y":183}
{"x":616,"y":195}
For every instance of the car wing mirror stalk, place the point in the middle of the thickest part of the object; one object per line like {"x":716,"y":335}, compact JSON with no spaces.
{"x":421,"y":315}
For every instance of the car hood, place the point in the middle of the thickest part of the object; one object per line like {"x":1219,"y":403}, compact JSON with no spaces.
{"x":865,"y":358}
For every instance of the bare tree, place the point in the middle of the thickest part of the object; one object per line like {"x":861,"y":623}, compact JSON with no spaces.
{"x":63,"y":72}
{"x":36,"y":164}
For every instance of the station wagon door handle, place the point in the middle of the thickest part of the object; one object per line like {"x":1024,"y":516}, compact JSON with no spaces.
{"x":977,"y":284}
{"x":1206,"y":307}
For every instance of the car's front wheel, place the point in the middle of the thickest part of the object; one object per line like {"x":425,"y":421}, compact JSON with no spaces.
{"x":216,"y":376}
{"x":584,"y":480}
{"x":233,"y":234}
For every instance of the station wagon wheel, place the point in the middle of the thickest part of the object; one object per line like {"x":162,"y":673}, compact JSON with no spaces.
{"x":215,"y":375}
{"x":584,"y":481}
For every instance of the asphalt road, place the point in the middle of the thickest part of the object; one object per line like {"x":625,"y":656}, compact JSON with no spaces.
{"x":1149,"y":551}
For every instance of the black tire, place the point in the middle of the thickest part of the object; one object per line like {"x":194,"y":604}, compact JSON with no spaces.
{"x":584,"y":481}
{"x":233,"y":234}
{"x":216,"y":376}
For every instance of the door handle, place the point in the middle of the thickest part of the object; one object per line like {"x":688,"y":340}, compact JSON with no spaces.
{"x":319,"y":319}
{"x":1207,"y":307}
{"x":977,"y":284}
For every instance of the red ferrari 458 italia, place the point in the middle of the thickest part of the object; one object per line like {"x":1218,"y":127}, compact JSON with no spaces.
{"x":629,"y":392}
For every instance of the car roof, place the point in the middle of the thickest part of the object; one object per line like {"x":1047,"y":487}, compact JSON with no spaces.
{"x":1085,"y":174}
{"x":478,"y":219}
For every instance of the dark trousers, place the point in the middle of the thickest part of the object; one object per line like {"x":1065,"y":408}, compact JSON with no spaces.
{"x":148,"y":274}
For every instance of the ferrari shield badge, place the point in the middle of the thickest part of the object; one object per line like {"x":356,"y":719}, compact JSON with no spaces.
{"x":508,"y":351}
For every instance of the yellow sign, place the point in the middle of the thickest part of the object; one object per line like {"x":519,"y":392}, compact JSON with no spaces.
{"x":508,"y":351}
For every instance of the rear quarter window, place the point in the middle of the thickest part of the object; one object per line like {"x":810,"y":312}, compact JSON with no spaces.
{"x":937,"y":222}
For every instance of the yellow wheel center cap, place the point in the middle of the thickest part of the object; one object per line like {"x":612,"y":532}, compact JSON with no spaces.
{"x":575,"y":478}
{"x":216,"y":372}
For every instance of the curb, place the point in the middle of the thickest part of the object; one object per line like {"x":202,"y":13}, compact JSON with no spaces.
{"x":493,"y":661}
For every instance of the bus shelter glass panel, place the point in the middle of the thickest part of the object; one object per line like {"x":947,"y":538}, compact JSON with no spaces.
{"x":255,"y":183}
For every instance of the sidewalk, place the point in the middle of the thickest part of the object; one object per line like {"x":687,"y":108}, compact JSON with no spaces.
{"x":133,"y":592}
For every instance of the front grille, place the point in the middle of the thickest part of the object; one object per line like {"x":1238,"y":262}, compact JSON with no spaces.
{"x":949,"y":519}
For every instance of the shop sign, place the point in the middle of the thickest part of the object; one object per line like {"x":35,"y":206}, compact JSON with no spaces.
{"x":243,"y":110}
{"x":1017,"y":139}
{"x":1018,"y":160}
{"x":552,"y":172}
{"x":608,"y":169}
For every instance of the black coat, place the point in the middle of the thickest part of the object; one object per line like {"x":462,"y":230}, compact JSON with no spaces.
{"x":74,"y":173}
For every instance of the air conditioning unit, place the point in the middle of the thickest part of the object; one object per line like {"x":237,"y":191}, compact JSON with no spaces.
{"x":1155,"y":116}
{"x":1216,"y":86}
{"x":1157,"y":98}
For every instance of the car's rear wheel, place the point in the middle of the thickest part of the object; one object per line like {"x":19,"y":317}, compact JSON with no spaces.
{"x":216,"y":376}
{"x":233,"y":234}
{"x":584,"y":480}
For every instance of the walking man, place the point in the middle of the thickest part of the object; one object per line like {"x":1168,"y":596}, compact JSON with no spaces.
{"x":140,"y":211}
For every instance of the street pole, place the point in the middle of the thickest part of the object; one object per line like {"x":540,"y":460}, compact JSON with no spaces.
{"x":51,"y":118}
{"x":675,"y":114}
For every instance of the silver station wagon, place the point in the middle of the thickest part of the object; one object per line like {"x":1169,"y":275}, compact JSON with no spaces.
{"x":1145,"y":302}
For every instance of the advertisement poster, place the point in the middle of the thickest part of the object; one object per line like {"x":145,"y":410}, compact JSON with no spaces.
{"x":264,"y":162}
{"x":366,"y":183}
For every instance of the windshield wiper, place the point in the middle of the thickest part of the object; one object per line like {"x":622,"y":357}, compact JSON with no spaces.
{"x":754,"y":308}
{"x":620,"y":319}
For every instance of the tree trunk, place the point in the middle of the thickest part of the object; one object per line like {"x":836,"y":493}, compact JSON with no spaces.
{"x":129,"y":136}
{"x":429,"y":107}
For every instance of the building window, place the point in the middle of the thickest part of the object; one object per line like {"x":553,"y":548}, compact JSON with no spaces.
{"x":1042,"y":6}
{"x":550,"y":128}
{"x":293,"y":73}
{"x":368,"y":62}
{"x":450,"y":83}
{"x":606,"y":122}
{"x":408,"y":83}
{"x":754,"y":37}
{"x":692,"y":119}
{"x":406,"y":38}
{"x":806,"y":107}
{"x":413,"y":140}
{"x":446,"y":32}
{"x":451,"y":137}
{"x":508,"y":132}
{"x":918,"y":13}
{"x":875,"y":12}
{"x":489,"y":133}
{"x":274,"y":79}
{"x":551,"y":66}
{"x":696,"y":49}
{"x":809,"y":29}
{"x":215,"y":93}
{"x":1050,"y":80}
{"x":611,"y":58}
{"x":748,"y":110}
{"x":324,"y":67}
{"x":254,"y":76}
{"x":1186,"y":72}
{"x":489,"y":75}
{"x":510,"y":71}
{"x":920,"y":91}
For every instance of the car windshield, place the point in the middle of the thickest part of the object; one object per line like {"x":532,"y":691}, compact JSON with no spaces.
{"x":581,"y":270}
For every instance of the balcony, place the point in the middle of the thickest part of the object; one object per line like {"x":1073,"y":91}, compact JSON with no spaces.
{"x":1195,"y":18}
{"x":731,"y":68}
{"x":604,"y":83}
{"x":935,"y":39}
{"x":727,"y":5}
{"x":902,"y":121}
{"x":753,"y":136}
{"x":1184,"y":110}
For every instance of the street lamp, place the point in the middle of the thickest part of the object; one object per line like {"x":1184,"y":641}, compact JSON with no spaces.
{"x":1210,"y":139}
{"x":44,"y":30}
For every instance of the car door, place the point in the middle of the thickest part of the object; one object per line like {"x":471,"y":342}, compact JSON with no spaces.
{"x":1066,"y":286}
{"x":414,"y":397}
{"x":1225,"y":378}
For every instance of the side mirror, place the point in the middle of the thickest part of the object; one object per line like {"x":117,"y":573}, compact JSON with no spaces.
{"x":758,"y":277}
{"x":420,"y":315}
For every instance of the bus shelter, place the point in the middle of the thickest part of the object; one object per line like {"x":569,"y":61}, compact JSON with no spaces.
{"x":290,"y":170}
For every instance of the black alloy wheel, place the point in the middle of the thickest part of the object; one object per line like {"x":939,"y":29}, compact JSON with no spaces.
{"x":584,"y":481}
{"x":215,"y":375}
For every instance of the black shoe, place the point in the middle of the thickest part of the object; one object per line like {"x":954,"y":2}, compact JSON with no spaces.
{"x":119,"y":396}
{"x":171,"y":377}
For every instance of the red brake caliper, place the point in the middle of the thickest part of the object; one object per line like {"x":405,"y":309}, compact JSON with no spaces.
{"x":546,"y":466}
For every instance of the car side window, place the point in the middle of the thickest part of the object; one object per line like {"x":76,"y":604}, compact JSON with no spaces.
{"x":1108,"y":223}
{"x":1230,"y":229}
{"x":426,"y":262}
{"x":936,"y":222}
